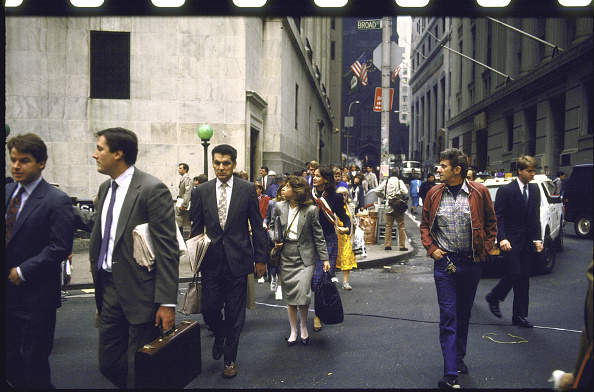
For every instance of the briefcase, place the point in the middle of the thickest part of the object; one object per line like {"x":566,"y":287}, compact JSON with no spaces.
{"x":171,"y":361}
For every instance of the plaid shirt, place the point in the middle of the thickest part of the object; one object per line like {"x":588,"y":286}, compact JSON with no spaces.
{"x":453,"y":228}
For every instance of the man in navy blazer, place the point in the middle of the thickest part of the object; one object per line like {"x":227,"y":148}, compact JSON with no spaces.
{"x":227,"y":208}
{"x":517,"y":206}
{"x":133,"y":302}
{"x":39,"y":234}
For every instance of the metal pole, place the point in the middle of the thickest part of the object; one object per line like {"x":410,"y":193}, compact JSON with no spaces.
{"x":385,"y":115}
{"x":349,"y":127}
{"x":524,"y":33}
{"x":205,"y":144}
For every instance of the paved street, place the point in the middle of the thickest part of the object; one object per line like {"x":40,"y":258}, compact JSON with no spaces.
{"x":389,"y":338}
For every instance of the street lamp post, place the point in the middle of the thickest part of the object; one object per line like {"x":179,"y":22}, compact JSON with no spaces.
{"x":350,"y":125}
{"x":205,"y":133}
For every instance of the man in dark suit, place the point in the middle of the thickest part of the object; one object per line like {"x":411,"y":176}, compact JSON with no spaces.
{"x":517,"y":206}
{"x":224,"y":208}
{"x":265,"y":179}
{"x":39,"y":234}
{"x":133,"y":302}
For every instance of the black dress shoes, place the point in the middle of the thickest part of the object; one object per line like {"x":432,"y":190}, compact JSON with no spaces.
{"x":521,"y":322}
{"x":218,"y":348}
{"x":493,"y":305}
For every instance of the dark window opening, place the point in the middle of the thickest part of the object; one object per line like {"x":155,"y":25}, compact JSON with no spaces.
{"x":110,"y":65}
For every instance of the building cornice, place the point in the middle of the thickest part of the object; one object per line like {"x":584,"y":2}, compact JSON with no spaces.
{"x":563,"y":59}
{"x":256,"y":99}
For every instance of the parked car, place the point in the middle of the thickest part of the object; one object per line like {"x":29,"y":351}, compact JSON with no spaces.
{"x":551,"y":223}
{"x":406,"y":168}
{"x":577,"y":200}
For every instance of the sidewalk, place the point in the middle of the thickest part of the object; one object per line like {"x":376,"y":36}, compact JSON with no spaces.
{"x":376,"y":257}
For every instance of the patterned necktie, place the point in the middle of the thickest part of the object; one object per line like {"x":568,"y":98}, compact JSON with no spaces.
{"x":223,"y":204}
{"x":12,"y":211}
{"x":107,"y":231}
{"x":525,"y":193}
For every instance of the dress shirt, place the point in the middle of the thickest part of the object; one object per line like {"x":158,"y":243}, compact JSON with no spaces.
{"x":521,"y":185}
{"x":29,"y":188}
{"x":123,"y":182}
{"x":453,"y":228}
{"x":229,"y":190}
{"x":292,"y":234}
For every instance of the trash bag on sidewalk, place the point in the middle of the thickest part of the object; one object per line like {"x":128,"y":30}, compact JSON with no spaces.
{"x":358,"y":242}
{"x":328,"y":306}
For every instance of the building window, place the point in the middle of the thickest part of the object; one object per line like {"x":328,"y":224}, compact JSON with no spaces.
{"x":333,"y":23}
{"x":509,"y":120}
{"x":486,"y":84}
{"x":332,"y":50}
{"x":110,"y":65}
{"x":456,"y":142}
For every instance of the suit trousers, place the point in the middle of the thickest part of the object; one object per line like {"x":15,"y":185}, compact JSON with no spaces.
{"x":228,"y":292}
{"x":455,"y":295}
{"x":399,"y":217}
{"x":118,"y":339}
{"x":517,"y":277}
{"x":29,"y":343}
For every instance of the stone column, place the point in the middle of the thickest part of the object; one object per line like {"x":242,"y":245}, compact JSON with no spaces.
{"x":530,"y":47}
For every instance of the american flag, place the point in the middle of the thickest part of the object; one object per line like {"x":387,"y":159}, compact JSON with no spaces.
{"x":359,"y":68}
{"x":395,"y":73}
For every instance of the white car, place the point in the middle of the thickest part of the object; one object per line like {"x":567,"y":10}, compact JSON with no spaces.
{"x":551,"y":220}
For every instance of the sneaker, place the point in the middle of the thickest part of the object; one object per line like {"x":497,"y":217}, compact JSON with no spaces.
{"x":279,"y":293}
{"x":274,"y":284}
{"x":261,"y":280}
{"x":448,"y":381}
{"x":334,"y":279}
{"x":346,"y":286}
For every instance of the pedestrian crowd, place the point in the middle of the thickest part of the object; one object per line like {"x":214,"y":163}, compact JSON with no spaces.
{"x":309,"y":216}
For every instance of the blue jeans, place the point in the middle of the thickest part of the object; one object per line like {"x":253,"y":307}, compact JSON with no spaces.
{"x":455,"y":295}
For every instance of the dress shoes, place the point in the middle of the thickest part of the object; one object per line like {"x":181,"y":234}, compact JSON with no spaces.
{"x":229,"y":371}
{"x":305,"y":341}
{"x":387,"y":248}
{"x":290,"y":343}
{"x":218,"y":348}
{"x":403,"y":249}
{"x":317,"y":324}
{"x":462,"y":368}
{"x":493,"y":305}
{"x":521,"y":322}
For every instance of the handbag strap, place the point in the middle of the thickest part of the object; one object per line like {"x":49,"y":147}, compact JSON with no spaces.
{"x":291,"y":224}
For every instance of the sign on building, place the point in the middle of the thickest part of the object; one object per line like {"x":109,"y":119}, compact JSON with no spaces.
{"x":369,"y":24}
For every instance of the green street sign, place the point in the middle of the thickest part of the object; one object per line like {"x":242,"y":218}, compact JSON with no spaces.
{"x":369,"y":24}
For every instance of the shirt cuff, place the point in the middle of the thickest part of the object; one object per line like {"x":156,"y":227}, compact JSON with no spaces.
{"x":18,"y":270}
{"x":168,"y":305}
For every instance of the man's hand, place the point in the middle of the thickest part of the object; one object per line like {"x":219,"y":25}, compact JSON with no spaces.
{"x":326,"y":266}
{"x":438,"y":254}
{"x":166,"y":316}
{"x":343,"y":230}
{"x":13,"y":277}
{"x":182,"y":208}
{"x":504,"y":245}
{"x":260,"y":270}
{"x":538,"y":245}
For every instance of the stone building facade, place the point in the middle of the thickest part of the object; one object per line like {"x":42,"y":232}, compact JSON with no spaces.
{"x":539,"y":102}
{"x":251,"y":79}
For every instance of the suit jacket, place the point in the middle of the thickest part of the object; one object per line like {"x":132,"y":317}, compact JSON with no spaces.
{"x":41,"y":239}
{"x":517,"y":222}
{"x":310,"y":237}
{"x":232,"y":242}
{"x":140,"y":291}
{"x":184,"y":189}
{"x":270,"y":181}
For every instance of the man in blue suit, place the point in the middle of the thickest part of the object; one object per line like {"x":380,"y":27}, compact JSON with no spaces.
{"x":226,"y":208}
{"x":517,"y":206}
{"x":39,"y":234}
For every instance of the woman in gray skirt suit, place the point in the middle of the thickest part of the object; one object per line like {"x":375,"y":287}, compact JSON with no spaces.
{"x":303,"y":240}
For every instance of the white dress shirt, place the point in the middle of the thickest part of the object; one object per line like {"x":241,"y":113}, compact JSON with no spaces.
{"x":293,"y":214}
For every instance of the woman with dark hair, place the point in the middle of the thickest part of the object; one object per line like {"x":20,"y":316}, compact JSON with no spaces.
{"x":303,"y":243}
{"x":356,"y":192}
{"x":330,"y":205}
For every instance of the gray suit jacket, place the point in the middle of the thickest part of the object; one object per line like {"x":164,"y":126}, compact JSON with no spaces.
{"x":310,"y":237}
{"x":140,"y":291}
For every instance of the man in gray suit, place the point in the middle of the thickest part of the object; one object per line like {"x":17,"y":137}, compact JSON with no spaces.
{"x":183,"y":192}
{"x":133,"y":302}
{"x":225,"y":206}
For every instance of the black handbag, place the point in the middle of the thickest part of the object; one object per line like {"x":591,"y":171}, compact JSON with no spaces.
{"x":398,"y":203}
{"x":328,"y":306}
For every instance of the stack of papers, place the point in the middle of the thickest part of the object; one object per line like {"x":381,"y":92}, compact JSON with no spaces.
{"x":143,"y":245}
{"x":197,"y":247}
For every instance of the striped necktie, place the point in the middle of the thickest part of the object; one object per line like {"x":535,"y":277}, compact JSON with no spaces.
{"x":223,"y":204}
{"x":12,"y":211}
{"x":107,"y":231}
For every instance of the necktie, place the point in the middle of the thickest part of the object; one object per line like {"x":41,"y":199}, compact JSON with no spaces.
{"x":525,"y":193}
{"x":12,"y":211}
{"x":223,"y":204}
{"x":107,"y":231}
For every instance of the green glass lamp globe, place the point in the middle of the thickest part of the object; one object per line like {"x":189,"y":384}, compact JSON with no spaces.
{"x":205,"y":132}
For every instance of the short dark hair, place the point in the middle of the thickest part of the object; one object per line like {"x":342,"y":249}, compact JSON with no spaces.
{"x":121,"y":139}
{"x":225,"y":149}
{"x":560,"y":173}
{"x":265,"y":168}
{"x":328,"y":175}
{"x":202,"y":178}
{"x":29,"y":143}
{"x":185,"y":166}
{"x":456,"y":158}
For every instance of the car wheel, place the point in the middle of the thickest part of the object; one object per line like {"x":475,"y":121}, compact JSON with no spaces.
{"x":583,"y":225}
{"x":559,"y":240}
{"x":546,"y":258}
